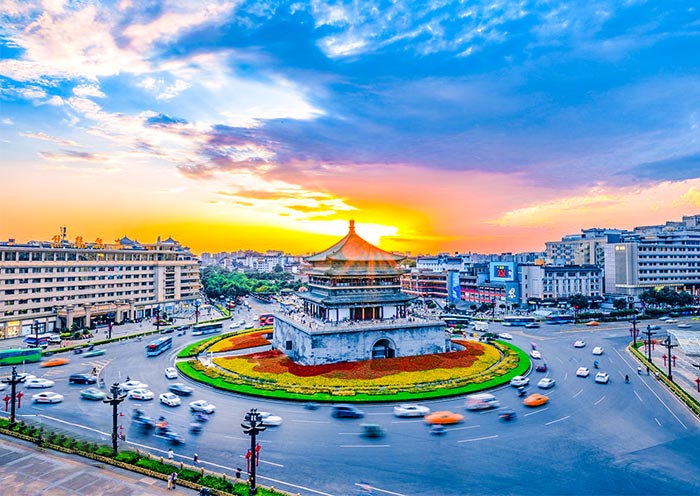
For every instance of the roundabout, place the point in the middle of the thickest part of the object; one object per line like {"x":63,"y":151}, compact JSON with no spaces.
{"x":223,"y":363}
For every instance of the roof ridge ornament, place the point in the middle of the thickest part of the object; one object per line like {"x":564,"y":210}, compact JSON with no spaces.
{"x":352,"y":226}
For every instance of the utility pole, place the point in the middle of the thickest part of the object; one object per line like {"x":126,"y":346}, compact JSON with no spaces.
{"x":114,"y":399}
{"x":669,"y":347}
{"x":252,"y":426}
{"x":13,"y":380}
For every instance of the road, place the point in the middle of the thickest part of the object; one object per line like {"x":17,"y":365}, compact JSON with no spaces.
{"x":589,"y":439}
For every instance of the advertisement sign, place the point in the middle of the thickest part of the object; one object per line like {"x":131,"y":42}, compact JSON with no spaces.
{"x":502,"y":271}
{"x":453,"y":289}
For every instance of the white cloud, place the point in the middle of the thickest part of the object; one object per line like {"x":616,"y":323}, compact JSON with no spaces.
{"x":88,"y":90}
{"x":7,"y":121}
{"x":55,"y":100}
{"x":173,"y":90}
{"x":46,"y":137}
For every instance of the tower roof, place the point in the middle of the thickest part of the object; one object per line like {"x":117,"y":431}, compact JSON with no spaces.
{"x":352,"y":248}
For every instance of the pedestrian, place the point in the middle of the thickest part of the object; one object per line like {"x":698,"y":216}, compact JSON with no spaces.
{"x":195,"y":459}
{"x":171,"y":454}
{"x":170,"y":482}
{"x":238,"y":472}
{"x":174,"y":480}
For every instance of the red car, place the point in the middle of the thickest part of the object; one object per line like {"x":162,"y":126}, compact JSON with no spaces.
{"x":541,"y":367}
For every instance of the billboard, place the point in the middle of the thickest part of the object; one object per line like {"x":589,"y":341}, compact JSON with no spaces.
{"x":502,"y":271}
{"x":453,"y":289}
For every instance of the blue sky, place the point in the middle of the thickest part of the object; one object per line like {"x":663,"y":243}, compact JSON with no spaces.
{"x":486,"y":126}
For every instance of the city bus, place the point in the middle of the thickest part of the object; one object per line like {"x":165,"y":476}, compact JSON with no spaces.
{"x":455,"y":319}
{"x":32,"y":342}
{"x":518,"y":320}
{"x":559,"y":319}
{"x":158,"y":346}
{"x":18,"y":356}
{"x":266,"y":319}
{"x":207,"y":328}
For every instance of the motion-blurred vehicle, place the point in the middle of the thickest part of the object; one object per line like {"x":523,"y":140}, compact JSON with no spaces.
{"x":444,"y":418}
{"x":47,"y":397}
{"x":532,"y":325}
{"x":270,"y":419}
{"x":506,"y":414}
{"x":141,"y":394}
{"x":170,"y":399}
{"x":55,"y":362}
{"x":546,"y":383}
{"x":505,"y":335}
{"x":372,"y":430}
{"x":593,"y":323}
{"x":202,"y":406}
{"x":129,"y":385}
{"x":541,"y":367}
{"x":180,"y":389}
{"x":38,"y":382}
{"x":535,"y":399}
{"x":94,"y":353}
{"x":519,"y":381}
{"x":481,"y":401}
{"x":85,"y":378}
{"x":411,"y":410}
{"x":535,"y":354}
{"x":92,"y":394}
{"x":347,"y":411}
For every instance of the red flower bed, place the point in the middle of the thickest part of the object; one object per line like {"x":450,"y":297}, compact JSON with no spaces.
{"x":251,"y":340}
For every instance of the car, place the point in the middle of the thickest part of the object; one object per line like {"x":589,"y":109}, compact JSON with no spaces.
{"x":535,"y":399}
{"x":234,"y":325}
{"x":270,"y":420}
{"x":38,"y":382}
{"x":84,"y":378}
{"x":167,"y":330}
{"x":541,"y":367}
{"x":519,"y":381}
{"x":372,"y":430}
{"x":579,"y":344}
{"x":55,"y":339}
{"x":598,"y":350}
{"x":546,"y":383}
{"x":481,"y":401}
{"x":55,"y":362}
{"x":582,"y":372}
{"x":249,"y":326}
{"x":173,"y":437}
{"x":593,"y":323}
{"x":47,"y":397}
{"x":444,"y":418}
{"x":170,"y":399}
{"x":202,"y":406}
{"x":347,"y":411}
{"x":411,"y":410}
{"x":535,"y":354}
{"x":171,"y":373}
{"x":683,"y":325}
{"x":671,"y":321}
{"x":532,"y":325}
{"x":141,"y":394}
{"x":602,"y":377}
{"x":654,"y":328}
{"x":505,"y":335}
{"x":138,"y":417}
{"x":93,"y":394}
{"x":506,"y":414}
{"x":129,"y":385}
{"x":180,"y":389}
{"x":94,"y":353}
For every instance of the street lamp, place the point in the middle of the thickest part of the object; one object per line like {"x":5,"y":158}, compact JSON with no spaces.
{"x":634,"y":330}
{"x":157,"y":312}
{"x":252,"y":426}
{"x":649,"y":334}
{"x":114,"y":399}
{"x":13,"y":380}
{"x":36,"y":332}
{"x":197,"y":303}
{"x":669,"y":346}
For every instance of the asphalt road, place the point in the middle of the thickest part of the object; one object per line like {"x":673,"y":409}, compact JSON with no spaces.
{"x":589,"y":439}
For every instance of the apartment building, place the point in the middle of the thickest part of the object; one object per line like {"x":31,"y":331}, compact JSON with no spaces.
{"x":587,"y":248}
{"x":55,"y":284}
{"x":548,"y":282}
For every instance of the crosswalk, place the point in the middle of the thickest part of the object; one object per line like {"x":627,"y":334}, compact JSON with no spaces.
{"x":61,"y":373}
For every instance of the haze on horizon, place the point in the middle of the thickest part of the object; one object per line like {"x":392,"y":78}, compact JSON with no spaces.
{"x":437,"y":126}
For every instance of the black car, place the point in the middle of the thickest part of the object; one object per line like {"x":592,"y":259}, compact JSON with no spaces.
{"x":347,"y":411}
{"x":180,"y":389}
{"x":82,"y":379}
{"x":167,"y":330}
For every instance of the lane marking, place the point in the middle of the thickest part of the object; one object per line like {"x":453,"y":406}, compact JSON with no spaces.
{"x":536,"y":411}
{"x":639,"y":397}
{"x":462,"y":428}
{"x":75,"y":425}
{"x":657,"y":421}
{"x":557,"y":420}
{"x":373,"y":488}
{"x":580,"y":391}
{"x":601,"y":399}
{"x":478,"y":439}
{"x":311,"y":421}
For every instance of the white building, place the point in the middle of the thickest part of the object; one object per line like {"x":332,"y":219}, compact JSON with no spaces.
{"x":556,"y":282}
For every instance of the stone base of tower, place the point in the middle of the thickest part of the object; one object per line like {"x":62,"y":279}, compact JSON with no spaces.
{"x":315,"y":343}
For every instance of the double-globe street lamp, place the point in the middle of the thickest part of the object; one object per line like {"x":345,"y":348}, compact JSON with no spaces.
{"x":157,"y":312}
{"x":253,"y":425}
{"x":197,"y":303}
{"x":649,"y":334}
{"x":13,"y":380}
{"x":114,"y":398}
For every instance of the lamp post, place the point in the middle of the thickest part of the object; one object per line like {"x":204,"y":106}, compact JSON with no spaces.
{"x":13,"y":380}
{"x":669,"y":346}
{"x":157,"y":312}
{"x":197,"y":303}
{"x":114,"y":398}
{"x":649,"y":334}
{"x":252,"y":426}
{"x":634,"y":330}
{"x":36,"y":332}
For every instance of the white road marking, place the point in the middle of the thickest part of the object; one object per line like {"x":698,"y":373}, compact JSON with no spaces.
{"x":580,"y":391}
{"x":462,"y":428}
{"x":363,"y":486}
{"x":657,"y":421}
{"x":75,"y":425}
{"x":478,"y":439}
{"x":312,"y":421}
{"x":557,"y":420}
{"x":601,"y":399}
{"x":407,"y":421}
{"x":536,"y":411}
{"x":639,"y":397}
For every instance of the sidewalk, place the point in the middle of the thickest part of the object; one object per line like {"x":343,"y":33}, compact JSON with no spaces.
{"x":26,"y":470}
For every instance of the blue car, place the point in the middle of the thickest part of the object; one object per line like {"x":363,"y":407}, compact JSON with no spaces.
{"x":347,"y":411}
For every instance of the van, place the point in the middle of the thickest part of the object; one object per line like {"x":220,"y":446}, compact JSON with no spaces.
{"x":481,"y":401}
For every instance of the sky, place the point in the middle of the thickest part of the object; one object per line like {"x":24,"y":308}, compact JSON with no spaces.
{"x":437,"y":126}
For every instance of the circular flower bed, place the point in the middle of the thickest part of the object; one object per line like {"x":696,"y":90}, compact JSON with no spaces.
{"x":272,"y":374}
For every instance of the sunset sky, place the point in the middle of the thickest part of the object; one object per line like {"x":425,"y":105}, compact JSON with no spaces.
{"x":437,"y":126}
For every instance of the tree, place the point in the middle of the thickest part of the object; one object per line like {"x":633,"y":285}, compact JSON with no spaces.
{"x":620,"y":303}
{"x":579,"y":301}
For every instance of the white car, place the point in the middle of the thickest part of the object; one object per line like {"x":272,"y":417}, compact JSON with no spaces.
{"x":129,"y":385}
{"x":598,"y":350}
{"x":202,"y":406}
{"x":170,"y":399}
{"x":235,"y":325}
{"x":38,"y":382}
{"x":141,"y":394}
{"x":671,"y":321}
{"x":683,"y":326}
{"x":546,"y":383}
{"x":47,"y":397}
{"x":505,"y":335}
{"x":519,"y":380}
{"x":171,"y":373}
{"x":602,"y":377}
{"x":580,"y":344}
{"x":411,"y":410}
{"x":582,"y":372}
{"x":270,"y":420}
{"x":536,"y":354}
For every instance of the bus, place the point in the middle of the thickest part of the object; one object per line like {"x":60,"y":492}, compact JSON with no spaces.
{"x":207,"y":328}
{"x":266,"y":319}
{"x":455,"y":319}
{"x":559,"y":319}
{"x":32,"y":342}
{"x":18,"y":356}
{"x":518,"y":320}
{"x":158,"y":346}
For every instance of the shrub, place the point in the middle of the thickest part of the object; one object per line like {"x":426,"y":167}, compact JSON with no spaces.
{"x":104,"y":451}
{"x":130,"y":457}
{"x":220,"y":484}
